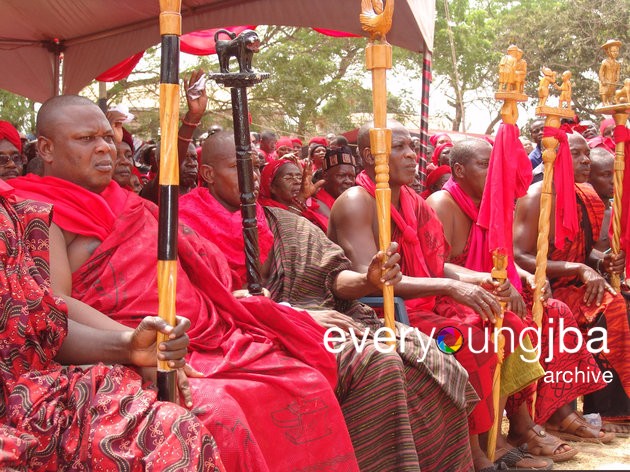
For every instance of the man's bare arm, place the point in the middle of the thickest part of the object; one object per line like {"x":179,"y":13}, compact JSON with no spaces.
{"x":526,"y":237}
{"x":352,"y":227}
{"x":61,"y":281}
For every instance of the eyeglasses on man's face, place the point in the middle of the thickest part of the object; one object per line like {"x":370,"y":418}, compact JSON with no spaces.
{"x":17,"y":159}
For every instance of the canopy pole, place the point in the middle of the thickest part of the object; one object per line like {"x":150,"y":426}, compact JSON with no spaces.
{"x":170,"y":30}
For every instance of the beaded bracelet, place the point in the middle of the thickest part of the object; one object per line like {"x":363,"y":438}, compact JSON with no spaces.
{"x":189,"y":123}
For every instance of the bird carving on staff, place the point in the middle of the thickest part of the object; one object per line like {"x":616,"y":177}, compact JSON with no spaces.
{"x":375,"y":19}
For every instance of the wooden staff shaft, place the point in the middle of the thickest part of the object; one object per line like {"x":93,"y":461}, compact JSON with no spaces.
{"x":544,"y":224}
{"x":544,"y":219}
{"x":378,"y":60}
{"x":245,"y":171}
{"x":620,"y":149}
{"x":170,"y":30}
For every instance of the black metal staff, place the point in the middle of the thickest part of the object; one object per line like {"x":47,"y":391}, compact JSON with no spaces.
{"x":246,"y":44}
{"x":170,"y":30}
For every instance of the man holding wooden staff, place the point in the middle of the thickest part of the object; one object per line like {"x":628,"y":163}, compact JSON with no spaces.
{"x":576,"y":276}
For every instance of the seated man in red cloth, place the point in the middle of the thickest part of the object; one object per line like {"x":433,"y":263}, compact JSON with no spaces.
{"x":286,"y":184}
{"x":457,"y":206}
{"x":55,"y":417}
{"x":576,"y":276}
{"x":437,"y":297}
{"x":11,"y":158}
{"x":304,"y":268}
{"x":338,"y":175}
{"x":267,"y":390}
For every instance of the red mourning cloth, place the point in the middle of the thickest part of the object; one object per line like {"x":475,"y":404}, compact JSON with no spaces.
{"x":479,"y":257}
{"x":284,"y":141}
{"x":268,"y":396}
{"x":509,"y":177}
{"x":601,"y":141}
{"x":72,"y":213}
{"x":202,"y":212}
{"x":433,"y":177}
{"x":566,"y":207}
{"x":201,"y":43}
{"x":121,"y":70}
{"x":423,"y":250}
{"x":318,"y":140}
{"x":435,"y":158}
{"x":326,"y":198}
{"x":421,"y":256}
{"x":335,"y":33}
{"x":622,"y":135}
{"x":434,"y":138}
{"x":8,"y":132}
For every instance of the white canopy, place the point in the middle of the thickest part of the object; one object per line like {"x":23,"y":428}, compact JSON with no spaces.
{"x":97,"y":34}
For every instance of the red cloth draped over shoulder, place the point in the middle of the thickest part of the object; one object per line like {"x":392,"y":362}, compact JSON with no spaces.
{"x":423,"y":249}
{"x":201,"y":211}
{"x":622,"y":135}
{"x":326,"y":198}
{"x":566,"y":226}
{"x":479,"y":257}
{"x":94,"y":217}
{"x":255,"y":351}
{"x":422,"y":244}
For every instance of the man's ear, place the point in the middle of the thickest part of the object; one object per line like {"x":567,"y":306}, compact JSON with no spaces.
{"x":458,"y":170}
{"x":367,"y":157}
{"x":207,"y":173}
{"x":45,"y":149}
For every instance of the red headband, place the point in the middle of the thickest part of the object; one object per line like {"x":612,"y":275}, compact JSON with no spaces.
{"x":8,"y":132}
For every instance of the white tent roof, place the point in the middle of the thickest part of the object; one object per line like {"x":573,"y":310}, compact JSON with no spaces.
{"x":97,"y":34}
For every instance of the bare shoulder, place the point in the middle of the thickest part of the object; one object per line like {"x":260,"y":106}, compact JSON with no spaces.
{"x":441,"y":201}
{"x":531,"y":200}
{"x":354,"y":207}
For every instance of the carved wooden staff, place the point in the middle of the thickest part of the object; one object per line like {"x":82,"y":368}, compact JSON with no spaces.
{"x":550,"y":144}
{"x":621,"y":118}
{"x":499,"y":274}
{"x":377,"y":21}
{"x":238,"y":83}
{"x":170,"y":30}
{"x":509,"y":115}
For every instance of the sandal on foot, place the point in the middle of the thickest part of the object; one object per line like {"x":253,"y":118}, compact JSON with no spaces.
{"x":499,"y":466}
{"x":542,"y":444}
{"x":614,"y":426}
{"x":519,"y":458}
{"x":576,"y":428}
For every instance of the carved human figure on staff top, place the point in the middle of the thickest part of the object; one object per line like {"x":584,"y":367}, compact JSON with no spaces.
{"x":565,"y":90}
{"x":507,"y":70}
{"x":623,"y":94}
{"x":609,"y":71}
{"x":520,"y":71}
{"x":548,"y":78}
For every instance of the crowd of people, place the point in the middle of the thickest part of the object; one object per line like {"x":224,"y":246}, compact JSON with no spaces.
{"x":261,"y":389}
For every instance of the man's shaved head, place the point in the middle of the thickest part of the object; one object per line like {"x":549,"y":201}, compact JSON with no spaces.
{"x":464,"y":150}
{"x":601,"y":157}
{"x":55,"y":105}
{"x":363,"y":138}
{"x":218,"y":147}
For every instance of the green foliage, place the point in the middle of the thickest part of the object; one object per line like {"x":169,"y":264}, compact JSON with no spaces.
{"x":17,"y":110}
{"x":567,"y":35}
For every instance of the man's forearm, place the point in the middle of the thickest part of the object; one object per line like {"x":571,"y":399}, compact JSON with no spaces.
{"x":87,"y":345}
{"x":351,"y":285}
